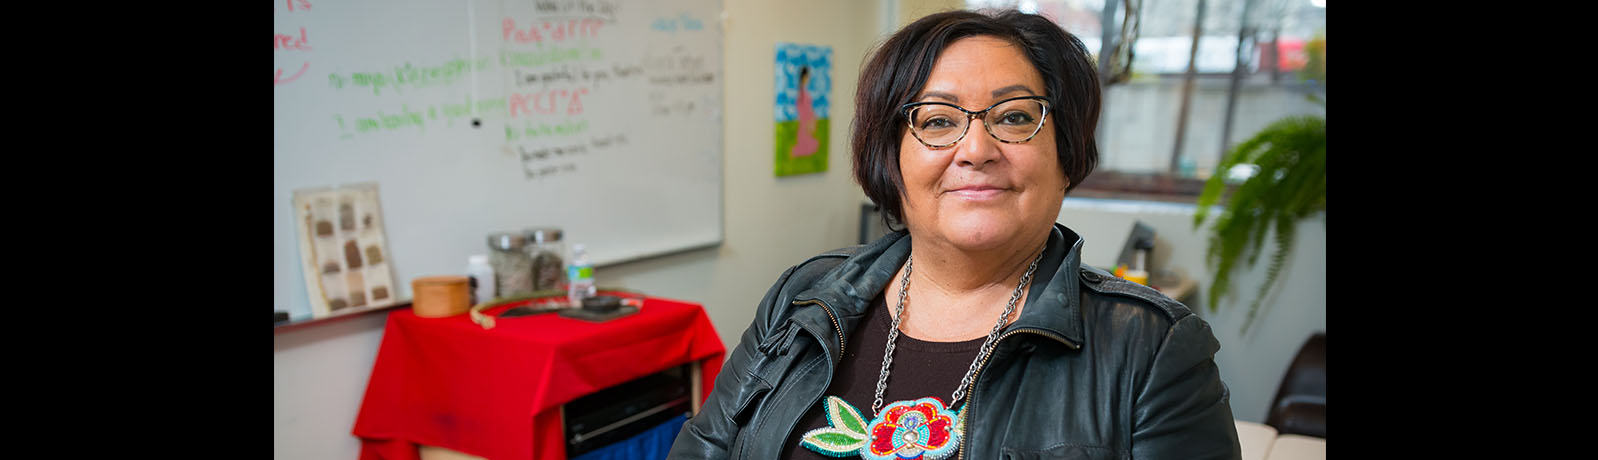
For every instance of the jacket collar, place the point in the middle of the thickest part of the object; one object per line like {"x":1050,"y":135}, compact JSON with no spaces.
{"x":848,"y":289}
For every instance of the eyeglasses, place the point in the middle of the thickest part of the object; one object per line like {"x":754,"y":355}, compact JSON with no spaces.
{"x":941,"y":124}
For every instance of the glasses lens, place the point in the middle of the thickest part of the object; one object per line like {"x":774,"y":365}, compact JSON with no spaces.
{"x":1017,"y":120}
{"x":937,"y":124}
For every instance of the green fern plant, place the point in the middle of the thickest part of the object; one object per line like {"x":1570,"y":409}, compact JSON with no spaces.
{"x":1289,"y":185}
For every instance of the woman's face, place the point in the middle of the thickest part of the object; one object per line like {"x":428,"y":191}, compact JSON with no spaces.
{"x":980,"y":193}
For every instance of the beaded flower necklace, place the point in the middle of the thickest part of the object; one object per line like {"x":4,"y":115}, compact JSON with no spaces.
{"x":908,"y":429}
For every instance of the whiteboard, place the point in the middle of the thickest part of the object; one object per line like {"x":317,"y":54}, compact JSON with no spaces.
{"x":600,"y":117}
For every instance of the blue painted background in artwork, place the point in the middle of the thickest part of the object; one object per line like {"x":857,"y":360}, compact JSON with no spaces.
{"x":792,"y":56}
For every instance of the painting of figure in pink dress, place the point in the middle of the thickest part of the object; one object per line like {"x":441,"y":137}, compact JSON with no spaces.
{"x":803,"y":81}
{"x":805,"y":142}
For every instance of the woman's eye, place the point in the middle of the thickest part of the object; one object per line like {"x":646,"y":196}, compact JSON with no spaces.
{"x":1016,"y":118}
{"x":935,"y":123}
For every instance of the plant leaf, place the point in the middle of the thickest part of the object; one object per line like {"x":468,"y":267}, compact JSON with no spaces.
{"x":1290,"y":185}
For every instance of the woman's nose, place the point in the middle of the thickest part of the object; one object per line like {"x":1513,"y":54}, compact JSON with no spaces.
{"x":978,"y":148}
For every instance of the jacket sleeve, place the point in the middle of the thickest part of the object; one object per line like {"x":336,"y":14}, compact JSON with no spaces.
{"x":1184,"y":410}
{"x":709,"y":434}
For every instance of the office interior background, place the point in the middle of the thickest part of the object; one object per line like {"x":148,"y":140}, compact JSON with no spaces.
{"x":1153,"y":162}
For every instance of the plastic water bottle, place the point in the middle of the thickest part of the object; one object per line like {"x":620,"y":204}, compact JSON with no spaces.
{"x":579,"y":276}
{"x":481,"y":276}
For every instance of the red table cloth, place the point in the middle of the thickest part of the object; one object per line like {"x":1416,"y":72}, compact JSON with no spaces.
{"x":496,"y":393}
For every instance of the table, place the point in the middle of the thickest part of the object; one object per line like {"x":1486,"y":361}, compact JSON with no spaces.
{"x":497,"y":393}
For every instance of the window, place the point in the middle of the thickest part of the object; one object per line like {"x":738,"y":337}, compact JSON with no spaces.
{"x":1148,"y":147}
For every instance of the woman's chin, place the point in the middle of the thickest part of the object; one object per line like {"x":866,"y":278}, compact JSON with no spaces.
{"x":978,"y":233}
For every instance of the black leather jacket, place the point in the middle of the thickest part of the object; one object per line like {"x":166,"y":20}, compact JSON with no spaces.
{"x":1095,"y":367}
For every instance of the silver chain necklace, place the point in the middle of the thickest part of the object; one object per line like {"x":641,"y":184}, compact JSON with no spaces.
{"x":987,"y":345}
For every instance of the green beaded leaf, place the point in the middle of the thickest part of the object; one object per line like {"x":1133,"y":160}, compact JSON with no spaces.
{"x":839,"y":439}
{"x":833,"y":441}
{"x":844,"y":416}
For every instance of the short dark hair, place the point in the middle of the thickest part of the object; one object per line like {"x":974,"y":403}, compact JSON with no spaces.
{"x":898,"y":69}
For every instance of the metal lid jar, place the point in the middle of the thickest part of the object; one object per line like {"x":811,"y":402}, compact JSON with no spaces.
{"x":549,"y":257}
{"x":513,"y":266}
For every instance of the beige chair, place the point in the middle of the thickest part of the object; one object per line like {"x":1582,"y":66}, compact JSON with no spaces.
{"x":1262,"y":442}
{"x":1256,"y":439}
{"x":1298,"y":447}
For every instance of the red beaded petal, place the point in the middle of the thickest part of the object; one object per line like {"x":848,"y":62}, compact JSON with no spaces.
{"x":927,"y":410}
{"x":939,"y":433}
{"x":894,"y":413}
{"x":882,"y":439}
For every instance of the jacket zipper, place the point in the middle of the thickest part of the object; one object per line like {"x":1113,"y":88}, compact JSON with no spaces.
{"x":972,"y":397}
{"x":835,"y":325}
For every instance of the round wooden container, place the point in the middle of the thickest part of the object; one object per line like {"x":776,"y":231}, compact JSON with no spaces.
{"x":440,"y":296}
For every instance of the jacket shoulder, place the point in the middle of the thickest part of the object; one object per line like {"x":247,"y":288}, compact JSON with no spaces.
{"x":1105,"y":284}
{"x":775,"y":308}
{"x":840,"y":253}
{"x":818,"y":265}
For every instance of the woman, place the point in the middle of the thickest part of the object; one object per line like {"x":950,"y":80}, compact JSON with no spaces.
{"x":970,"y":130}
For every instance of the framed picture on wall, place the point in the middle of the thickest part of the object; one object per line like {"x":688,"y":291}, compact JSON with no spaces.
{"x":343,"y":249}
{"x":803,"y":126}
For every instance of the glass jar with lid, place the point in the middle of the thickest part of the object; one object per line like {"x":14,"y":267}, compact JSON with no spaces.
{"x":513,"y":267}
{"x":549,"y":257}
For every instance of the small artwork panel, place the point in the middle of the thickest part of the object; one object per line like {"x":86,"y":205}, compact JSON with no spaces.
{"x":803,"y":125}
{"x":343,"y":249}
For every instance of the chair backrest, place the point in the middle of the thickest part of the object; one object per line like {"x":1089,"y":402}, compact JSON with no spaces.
{"x":1296,"y":447}
{"x":1300,"y":403}
{"x":1255,"y":439}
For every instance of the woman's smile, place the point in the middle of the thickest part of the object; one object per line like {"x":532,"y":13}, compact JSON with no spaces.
{"x":978,"y":193}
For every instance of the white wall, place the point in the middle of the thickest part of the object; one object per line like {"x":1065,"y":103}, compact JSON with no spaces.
{"x":320,"y":372}
{"x":319,"y":375}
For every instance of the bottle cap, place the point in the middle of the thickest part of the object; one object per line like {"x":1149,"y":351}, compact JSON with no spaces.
{"x":477,"y":259}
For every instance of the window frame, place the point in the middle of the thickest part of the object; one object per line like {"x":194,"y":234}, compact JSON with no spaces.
{"x":1262,"y":45}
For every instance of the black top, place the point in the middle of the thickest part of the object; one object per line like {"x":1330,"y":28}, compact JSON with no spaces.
{"x":920,"y":369}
